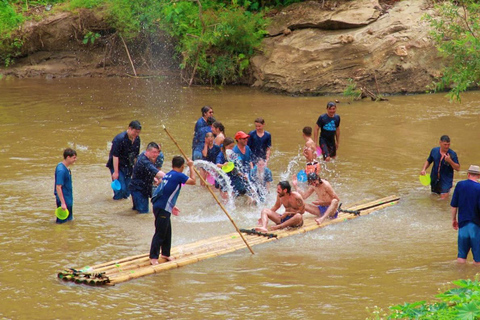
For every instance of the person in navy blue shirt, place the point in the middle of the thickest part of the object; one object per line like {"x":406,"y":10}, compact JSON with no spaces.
{"x":63,"y":183}
{"x":143,"y":177}
{"x":444,"y":161}
{"x":466,"y":203}
{"x":123,"y":154}
{"x":329,"y":124}
{"x":260,"y":141}
{"x":197,"y":151}
{"x":201,"y":122}
{"x":164,"y":201}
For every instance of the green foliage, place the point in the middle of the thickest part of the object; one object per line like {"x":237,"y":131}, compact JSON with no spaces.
{"x":90,"y":37}
{"x":351,"y":90}
{"x":258,"y":5}
{"x":456,"y":32}
{"x":89,"y":4}
{"x":9,"y":18}
{"x":214,"y":41}
{"x":461,"y":303}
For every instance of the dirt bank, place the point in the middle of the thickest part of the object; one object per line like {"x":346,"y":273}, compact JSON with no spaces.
{"x":54,"y":47}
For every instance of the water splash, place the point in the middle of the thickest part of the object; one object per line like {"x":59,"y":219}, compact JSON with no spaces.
{"x":221,"y":177}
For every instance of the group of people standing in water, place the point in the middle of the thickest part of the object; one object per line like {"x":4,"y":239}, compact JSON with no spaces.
{"x":139,"y":175}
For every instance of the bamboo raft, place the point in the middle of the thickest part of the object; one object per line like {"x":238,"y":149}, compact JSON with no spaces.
{"x":117,"y":271}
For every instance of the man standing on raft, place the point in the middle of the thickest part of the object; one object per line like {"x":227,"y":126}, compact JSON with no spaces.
{"x":163,"y":201}
{"x":327,"y":201}
{"x":294,"y":209}
{"x":329,"y":123}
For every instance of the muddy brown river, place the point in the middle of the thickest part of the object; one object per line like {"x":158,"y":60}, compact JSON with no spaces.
{"x":403,"y":253}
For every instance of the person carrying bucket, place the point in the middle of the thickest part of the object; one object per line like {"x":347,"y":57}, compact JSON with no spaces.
{"x":63,"y":187}
{"x":123,"y":155}
{"x":444,"y":161}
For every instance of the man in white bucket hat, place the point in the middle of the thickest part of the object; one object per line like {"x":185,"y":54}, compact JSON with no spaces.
{"x":466,"y":202}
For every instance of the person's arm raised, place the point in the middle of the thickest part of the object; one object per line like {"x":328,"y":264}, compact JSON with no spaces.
{"x":191,"y":180}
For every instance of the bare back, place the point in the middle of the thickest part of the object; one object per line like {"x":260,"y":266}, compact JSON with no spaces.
{"x":309,"y":151}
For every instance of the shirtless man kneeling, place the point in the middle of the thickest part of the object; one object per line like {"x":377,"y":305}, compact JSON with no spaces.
{"x":294,"y":209}
{"x":327,"y":201}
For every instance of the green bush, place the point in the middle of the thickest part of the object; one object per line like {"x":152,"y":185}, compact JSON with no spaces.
{"x":462,"y":303}
{"x":456,"y":33}
{"x":9,"y":18}
{"x":214,"y":41}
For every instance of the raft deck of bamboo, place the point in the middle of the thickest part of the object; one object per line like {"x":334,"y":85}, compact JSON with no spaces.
{"x":117,"y":271}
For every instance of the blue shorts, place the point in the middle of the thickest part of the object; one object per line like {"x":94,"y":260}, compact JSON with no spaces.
{"x":140,"y":202}
{"x":469,"y":238}
{"x":323,"y":209}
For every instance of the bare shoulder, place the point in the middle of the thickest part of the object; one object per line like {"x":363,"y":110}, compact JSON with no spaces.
{"x":297,"y":196}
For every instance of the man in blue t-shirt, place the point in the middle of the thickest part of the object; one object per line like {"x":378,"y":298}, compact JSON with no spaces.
{"x":164,"y":200}
{"x":63,"y":184}
{"x":143,"y":176}
{"x":260,"y":141}
{"x":466,"y":202}
{"x":122,"y":157}
{"x":444,"y":161}
{"x":329,"y":124}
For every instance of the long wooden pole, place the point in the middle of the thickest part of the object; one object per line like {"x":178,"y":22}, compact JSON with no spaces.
{"x":211,"y":191}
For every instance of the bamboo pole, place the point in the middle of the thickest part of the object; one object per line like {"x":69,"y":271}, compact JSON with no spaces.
{"x":210,"y":190}
{"x":128,"y":54}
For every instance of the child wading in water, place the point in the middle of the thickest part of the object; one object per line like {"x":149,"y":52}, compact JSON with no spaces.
{"x":310,"y":153}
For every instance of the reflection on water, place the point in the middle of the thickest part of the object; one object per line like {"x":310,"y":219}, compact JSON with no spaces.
{"x":403,"y":253}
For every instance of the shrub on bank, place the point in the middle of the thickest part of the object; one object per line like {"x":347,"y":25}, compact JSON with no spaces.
{"x":461,"y":303}
{"x":215,"y":39}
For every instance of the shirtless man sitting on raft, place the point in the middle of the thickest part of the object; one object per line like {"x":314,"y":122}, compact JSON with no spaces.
{"x":294,"y":209}
{"x":327,"y":201}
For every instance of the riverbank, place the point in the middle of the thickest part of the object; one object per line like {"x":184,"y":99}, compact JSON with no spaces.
{"x":310,"y":49}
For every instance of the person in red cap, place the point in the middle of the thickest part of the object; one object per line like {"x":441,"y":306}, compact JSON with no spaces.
{"x":244,"y":152}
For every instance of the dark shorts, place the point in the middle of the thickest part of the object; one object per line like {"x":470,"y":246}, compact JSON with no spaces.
{"x":469,"y":238}
{"x":284,"y":218}
{"x":328,"y":148}
{"x":323,"y":209}
{"x":440,"y":187}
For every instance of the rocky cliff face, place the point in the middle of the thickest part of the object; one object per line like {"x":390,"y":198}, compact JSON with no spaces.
{"x":313,"y":48}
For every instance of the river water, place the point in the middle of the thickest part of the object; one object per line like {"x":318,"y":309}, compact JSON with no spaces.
{"x":403,"y":253}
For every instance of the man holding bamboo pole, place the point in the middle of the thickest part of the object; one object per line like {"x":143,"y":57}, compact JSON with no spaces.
{"x":163,"y":201}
